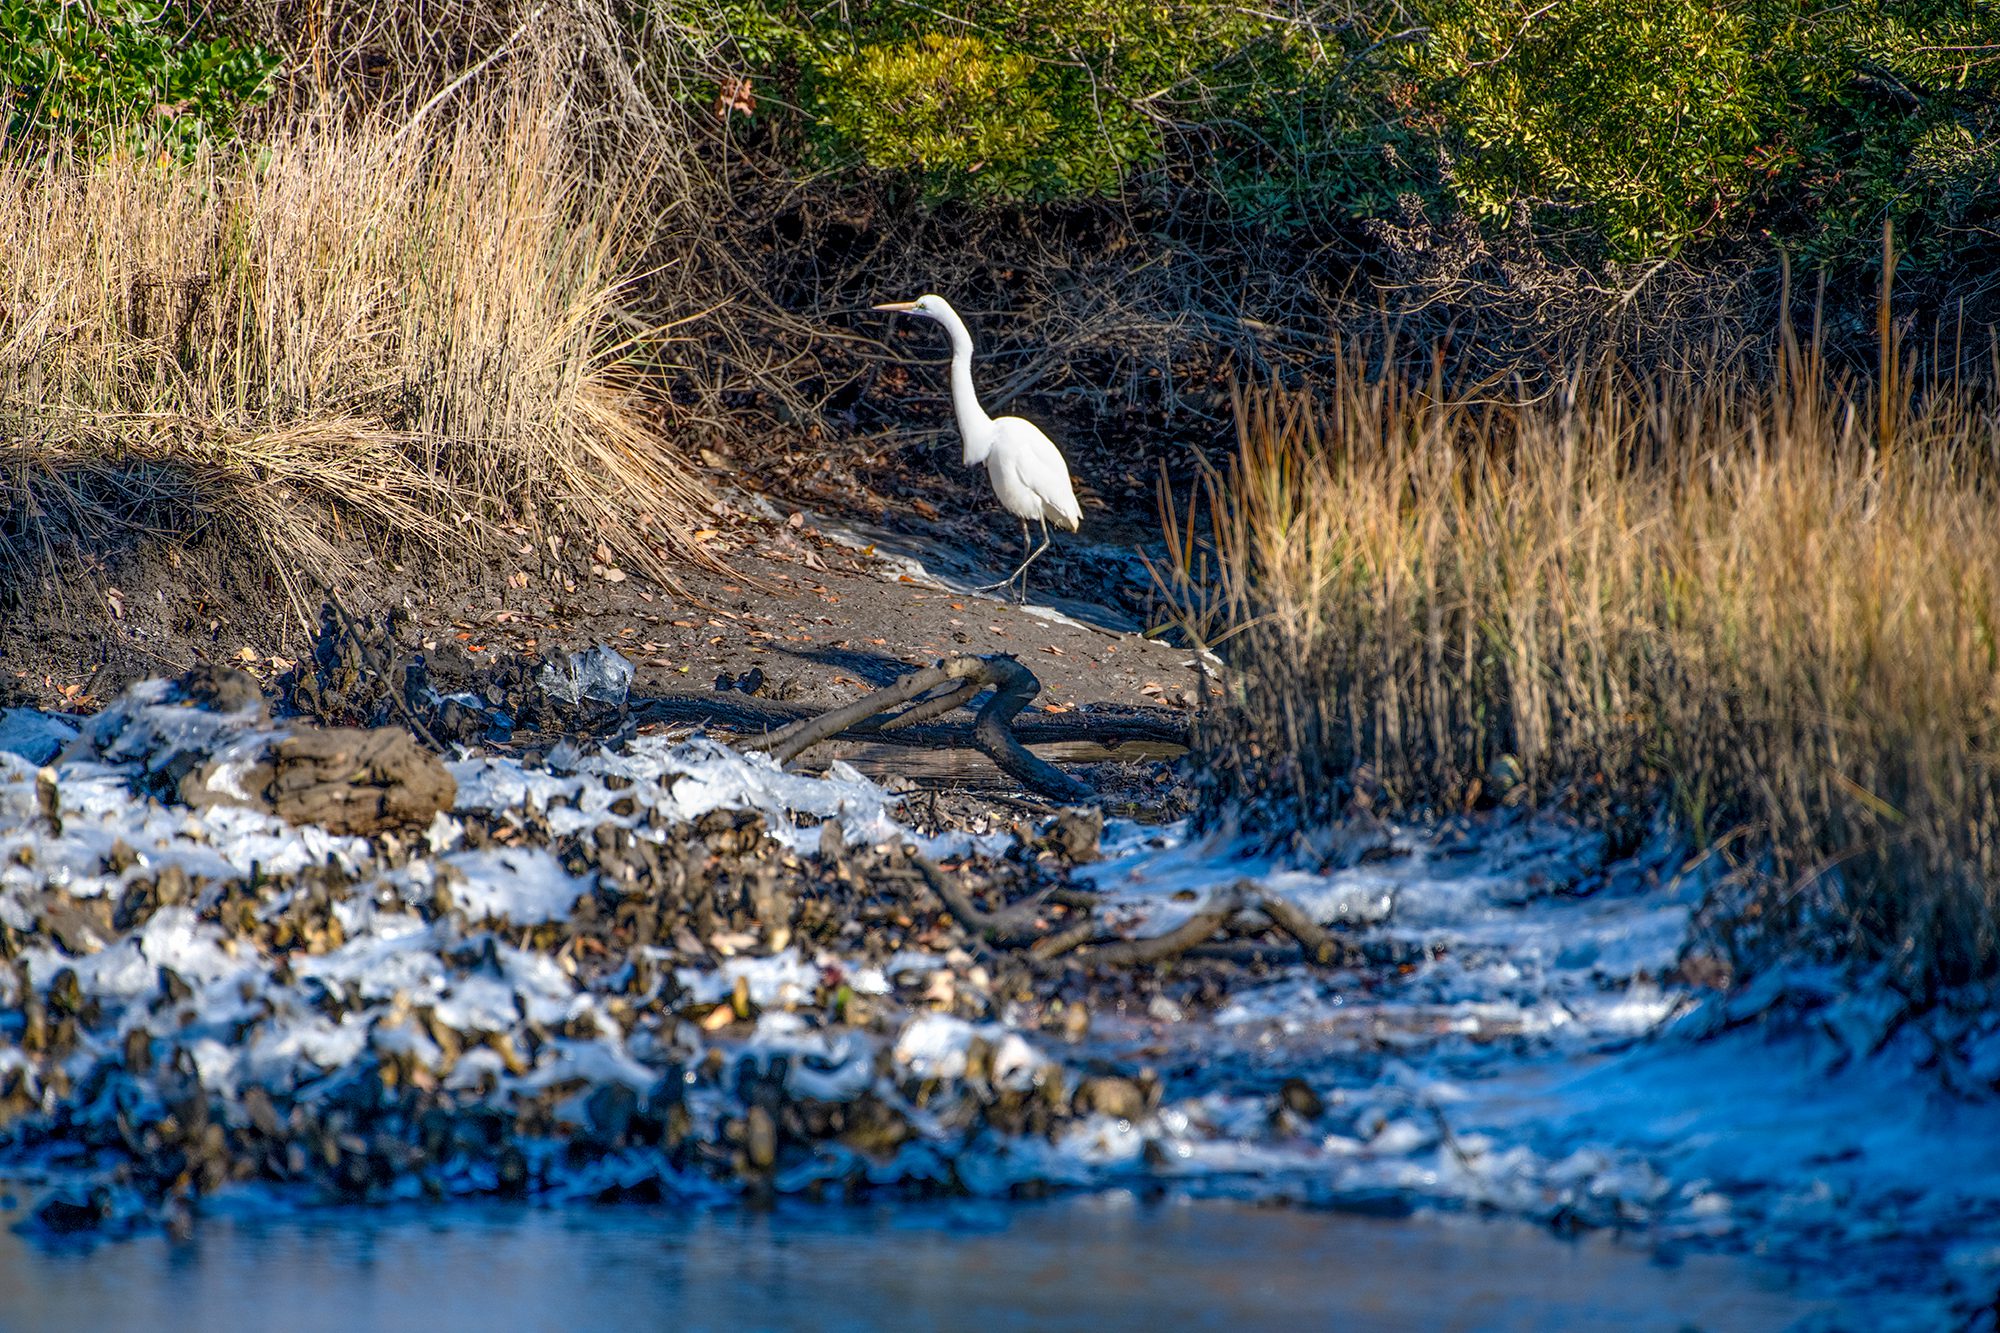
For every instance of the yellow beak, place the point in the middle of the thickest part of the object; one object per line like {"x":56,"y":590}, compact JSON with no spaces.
{"x":898,"y":305}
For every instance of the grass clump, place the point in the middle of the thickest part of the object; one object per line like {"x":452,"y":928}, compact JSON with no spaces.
{"x":1773,"y":605}
{"x":413,"y":324}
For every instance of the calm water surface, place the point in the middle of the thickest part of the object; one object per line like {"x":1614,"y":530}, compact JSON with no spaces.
{"x":1103,"y":1262}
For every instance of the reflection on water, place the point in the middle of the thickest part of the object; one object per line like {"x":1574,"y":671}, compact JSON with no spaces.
{"x":1105,"y":1262}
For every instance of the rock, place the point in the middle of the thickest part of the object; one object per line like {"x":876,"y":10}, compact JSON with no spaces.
{"x":66,"y":1216}
{"x":1503,"y":776}
{"x":359,"y":781}
{"x":1119,"y":1097}
{"x":1075,"y":833}
{"x":346,"y":780}
{"x":219,"y":689}
{"x":760,"y":1138}
{"x":1298,"y":1097}
{"x":611,"y":1109}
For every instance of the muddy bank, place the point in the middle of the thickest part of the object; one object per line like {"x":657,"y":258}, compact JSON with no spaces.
{"x":817,"y":610}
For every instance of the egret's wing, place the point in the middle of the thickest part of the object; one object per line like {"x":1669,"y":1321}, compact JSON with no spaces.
{"x":1041,"y":468}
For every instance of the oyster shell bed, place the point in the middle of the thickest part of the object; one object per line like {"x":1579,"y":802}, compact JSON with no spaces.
{"x":666,"y":970}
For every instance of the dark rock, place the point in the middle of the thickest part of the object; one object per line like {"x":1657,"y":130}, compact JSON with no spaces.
{"x":1298,"y":1097}
{"x":66,"y":1215}
{"x":344,"y":779}
{"x":219,"y":689}
{"x":1119,"y":1097}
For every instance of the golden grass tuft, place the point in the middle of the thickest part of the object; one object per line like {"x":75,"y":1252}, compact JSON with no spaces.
{"x":1722,"y":592}
{"x":416,"y":326}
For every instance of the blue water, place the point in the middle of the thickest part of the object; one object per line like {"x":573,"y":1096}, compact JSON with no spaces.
{"x":1105,"y":1262}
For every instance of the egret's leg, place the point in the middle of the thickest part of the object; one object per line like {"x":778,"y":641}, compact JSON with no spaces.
{"x":1033,"y":551}
{"x":1027,"y":544}
{"x":1022,"y":572}
{"x":1028,"y":541}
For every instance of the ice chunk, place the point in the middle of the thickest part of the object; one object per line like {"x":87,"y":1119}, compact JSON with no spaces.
{"x":602,"y":674}
{"x":35,"y":736}
{"x":524,"y":885}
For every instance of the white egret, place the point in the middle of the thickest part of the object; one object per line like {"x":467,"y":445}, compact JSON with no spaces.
{"x":1027,"y":470}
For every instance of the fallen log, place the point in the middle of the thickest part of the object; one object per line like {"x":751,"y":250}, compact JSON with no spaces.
{"x":995,"y":731}
{"x":1106,"y":725}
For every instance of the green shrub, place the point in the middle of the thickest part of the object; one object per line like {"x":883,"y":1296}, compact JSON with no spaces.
{"x":1648,"y":117}
{"x":146,"y":67}
{"x":1638,"y":126}
{"x":1660,"y":122}
{"x":1013,"y":100}
{"x":969,"y":119}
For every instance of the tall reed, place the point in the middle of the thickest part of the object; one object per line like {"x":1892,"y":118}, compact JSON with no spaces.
{"x":1769,"y":605}
{"x":412,"y":323}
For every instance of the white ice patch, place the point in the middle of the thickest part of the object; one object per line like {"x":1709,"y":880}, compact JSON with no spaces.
{"x":523,"y":885}
{"x":782,"y":979}
{"x":34,"y":736}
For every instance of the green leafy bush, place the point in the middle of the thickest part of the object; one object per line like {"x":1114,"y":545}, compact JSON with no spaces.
{"x":144,"y":67}
{"x":1634,"y":126}
{"x":958,"y":112}
{"x":1660,"y":122}
{"x":1647,"y":117}
{"x":1012,"y":100}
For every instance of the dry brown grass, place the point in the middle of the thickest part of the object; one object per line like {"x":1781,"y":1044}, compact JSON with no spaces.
{"x":416,"y":327}
{"x":1734,"y":594}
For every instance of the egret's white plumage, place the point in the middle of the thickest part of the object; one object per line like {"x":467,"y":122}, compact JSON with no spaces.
{"x":1027,"y":470}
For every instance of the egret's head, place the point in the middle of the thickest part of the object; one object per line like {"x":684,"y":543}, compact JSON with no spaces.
{"x":933,"y":306}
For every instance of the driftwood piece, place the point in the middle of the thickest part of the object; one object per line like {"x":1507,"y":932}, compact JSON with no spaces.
{"x":1099,"y":725}
{"x":1013,"y":686}
{"x":1197,"y":929}
{"x":1317,"y":944}
{"x":1014,"y":927}
{"x":994,"y":731}
{"x":788,"y":743}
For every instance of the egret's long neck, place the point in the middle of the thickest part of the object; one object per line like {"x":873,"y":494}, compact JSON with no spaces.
{"x":974,"y":426}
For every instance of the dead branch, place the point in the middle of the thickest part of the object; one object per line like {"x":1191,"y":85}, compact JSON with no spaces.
{"x":1013,"y":686}
{"x":1050,"y":947}
{"x":992,"y":732}
{"x":1012,"y":927}
{"x":1197,"y":929}
{"x":1316,"y":943}
{"x":788,"y":743}
{"x":1022,"y":926}
{"x":1100,"y":725}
